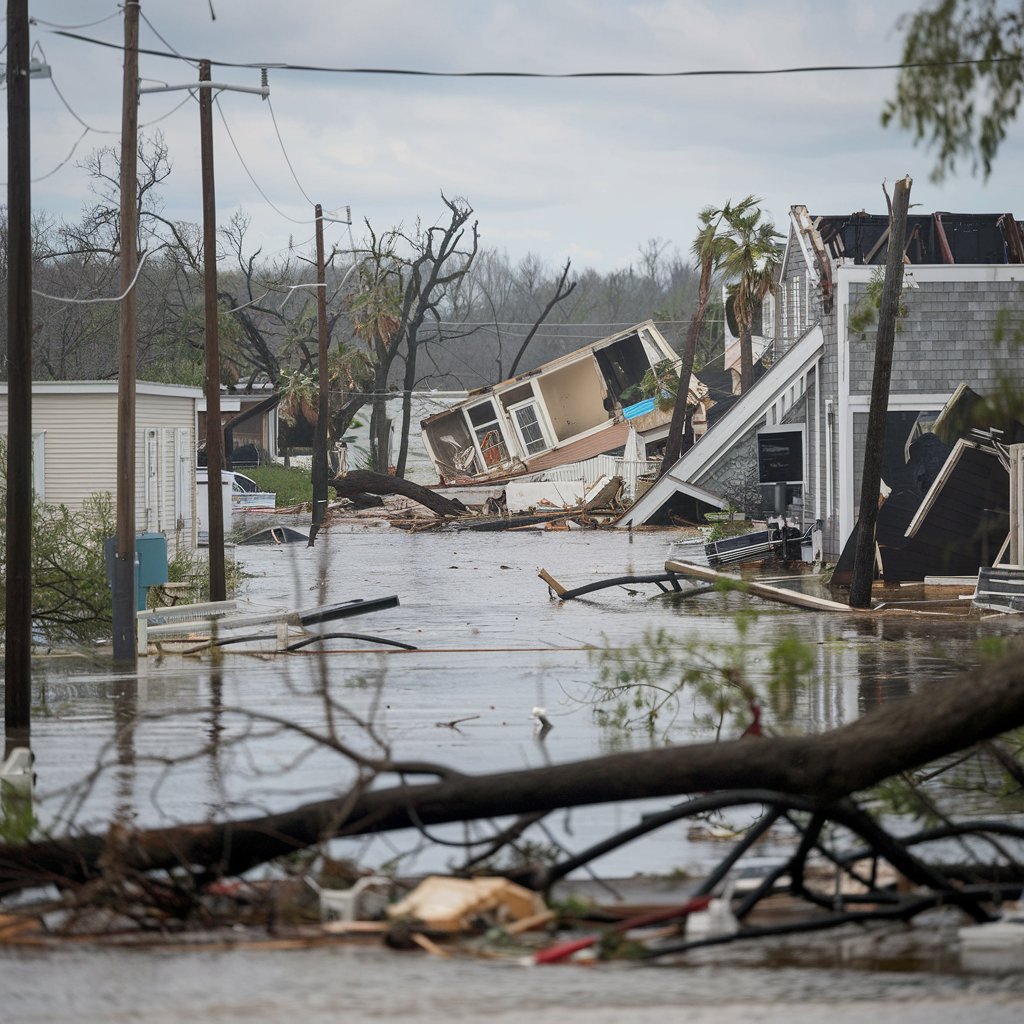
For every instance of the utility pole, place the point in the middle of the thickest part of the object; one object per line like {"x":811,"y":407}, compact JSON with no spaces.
{"x":214,"y":429}
{"x":18,"y":600}
{"x":214,"y":433}
{"x":125,"y":649}
{"x":874,"y":443}
{"x":323,"y":410}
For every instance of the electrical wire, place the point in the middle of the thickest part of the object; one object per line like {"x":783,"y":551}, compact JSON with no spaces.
{"x":71,"y":153}
{"x":173,"y":110}
{"x":87,"y":302}
{"x":696,"y":73}
{"x":153,"y":29}
{"x":245,"y":167}
{"x":71,"y":111}
{"x":89,"y":24}
{"x":529,"y":323}
{"x":86,"y":128}
{"x":277,"y":131}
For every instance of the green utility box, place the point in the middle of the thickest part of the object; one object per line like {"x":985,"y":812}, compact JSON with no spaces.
{"x":150,"y":564}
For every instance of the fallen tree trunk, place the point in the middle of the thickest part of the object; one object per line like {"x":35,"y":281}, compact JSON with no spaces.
{"x":362,"y":481}
{"x":943,"y":718}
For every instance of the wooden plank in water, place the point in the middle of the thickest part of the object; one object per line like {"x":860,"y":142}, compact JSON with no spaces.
{"x":762,"y":590}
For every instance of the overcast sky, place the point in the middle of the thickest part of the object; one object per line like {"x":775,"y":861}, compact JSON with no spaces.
{"x":588,"y":168}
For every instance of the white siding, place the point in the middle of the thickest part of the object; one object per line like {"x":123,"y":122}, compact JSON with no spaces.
{"x":79,"y":422}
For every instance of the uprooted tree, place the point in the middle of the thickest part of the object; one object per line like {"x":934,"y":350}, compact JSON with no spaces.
{"x":815,"y":783}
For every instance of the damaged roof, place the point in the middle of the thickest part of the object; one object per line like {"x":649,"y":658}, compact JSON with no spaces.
{"x":860,"y":238}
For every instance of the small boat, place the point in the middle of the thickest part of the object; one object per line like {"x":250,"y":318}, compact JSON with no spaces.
{"x":779,"y":539}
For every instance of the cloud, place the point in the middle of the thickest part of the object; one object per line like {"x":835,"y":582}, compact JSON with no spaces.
{"x":582,"y":167}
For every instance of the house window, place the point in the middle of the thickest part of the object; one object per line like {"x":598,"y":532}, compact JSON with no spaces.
{"x":529,"y":427}
{"x":780,"y":467}
{"x":797,"y":310}
{"x":780,"y":455}
{"x":487,"y":431}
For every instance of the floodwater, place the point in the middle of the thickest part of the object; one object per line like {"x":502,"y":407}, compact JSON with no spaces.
{"x":235,"y":737}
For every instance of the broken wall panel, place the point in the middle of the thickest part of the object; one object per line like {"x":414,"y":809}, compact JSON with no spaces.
{"x":960,"y":524}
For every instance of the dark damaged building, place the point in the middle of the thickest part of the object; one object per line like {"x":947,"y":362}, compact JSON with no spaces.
{"x":800,"y":431}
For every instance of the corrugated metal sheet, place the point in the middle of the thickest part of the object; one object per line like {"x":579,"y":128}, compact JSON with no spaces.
{"x":605,"y":465}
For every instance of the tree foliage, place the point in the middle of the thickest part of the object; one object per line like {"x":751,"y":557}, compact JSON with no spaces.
{"x":750,"y":258}
{"x":71,"y":598}
{"x":963,"y":82}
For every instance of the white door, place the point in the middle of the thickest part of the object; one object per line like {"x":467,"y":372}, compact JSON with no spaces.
{"x":151,"y":485}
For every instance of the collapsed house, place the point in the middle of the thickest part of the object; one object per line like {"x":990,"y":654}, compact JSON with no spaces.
{"x":572,"y":417}
{"x":793,"y":444}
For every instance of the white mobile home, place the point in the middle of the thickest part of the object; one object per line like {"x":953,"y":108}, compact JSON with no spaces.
{"x":74,"y":438}
{"x":563,"y":412}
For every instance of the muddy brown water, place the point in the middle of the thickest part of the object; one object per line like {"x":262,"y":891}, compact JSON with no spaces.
{"x":493,"y":645}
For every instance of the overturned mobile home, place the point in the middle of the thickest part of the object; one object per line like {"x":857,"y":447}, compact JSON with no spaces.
{"x":796,"y":438}
{"x":563,"y":413}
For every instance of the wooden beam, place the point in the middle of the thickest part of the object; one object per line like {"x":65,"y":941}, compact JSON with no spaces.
{"x":762,"y":590}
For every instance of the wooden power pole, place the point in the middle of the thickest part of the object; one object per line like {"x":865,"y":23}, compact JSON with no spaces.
{"x":871,"y":477}
{"x":214,"y":427}
{"x":214,"y":432}
{"x":18,"y":599}
{"x":125,"y":650}
{"x":323,"y":408}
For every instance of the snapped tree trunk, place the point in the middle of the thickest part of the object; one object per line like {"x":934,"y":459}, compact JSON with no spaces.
{"x":939,"y":720}
{"x":362,"y":481}
{"x":379,"y":432}
{"x":678,"y":434}
{"x":874,"y":442}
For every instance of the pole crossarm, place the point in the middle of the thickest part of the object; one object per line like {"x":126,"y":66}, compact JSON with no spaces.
{"x":259,"y":90}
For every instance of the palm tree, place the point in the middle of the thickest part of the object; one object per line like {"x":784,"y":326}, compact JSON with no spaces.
{"x":709,"y":247}
{"x":376,"y":320}
{"x":751,"y":258}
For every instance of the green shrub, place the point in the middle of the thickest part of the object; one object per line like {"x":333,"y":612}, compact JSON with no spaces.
{"x":71,"y":599}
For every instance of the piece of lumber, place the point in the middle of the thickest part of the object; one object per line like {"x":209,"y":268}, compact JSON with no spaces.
{"x":356,"y":927}
{"x":552,"y":582}
{"x":762,"y":590}
{"x":429,"y":945}
{"x":528,"y":924}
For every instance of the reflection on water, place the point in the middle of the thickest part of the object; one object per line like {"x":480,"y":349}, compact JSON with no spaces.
{"x":193,"y":737}
{"x":248,"y":732}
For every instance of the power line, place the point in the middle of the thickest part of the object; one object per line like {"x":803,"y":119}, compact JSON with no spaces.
{"x":153,"y":29}
{"x":277,"y":131}
{"x":245,"y":167}
{"x":529,"y":323}
{"x":695,"y":73}
{"x":71,"y":300}
{"x":71,"y":153}
{"x":88,"y":24}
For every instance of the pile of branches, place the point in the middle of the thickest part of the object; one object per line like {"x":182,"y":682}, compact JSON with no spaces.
{"x":819,"y":787}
